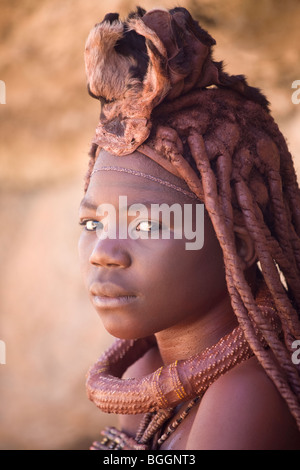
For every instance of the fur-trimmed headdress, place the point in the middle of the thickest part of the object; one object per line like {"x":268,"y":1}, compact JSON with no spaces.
{"x":132,"y":66}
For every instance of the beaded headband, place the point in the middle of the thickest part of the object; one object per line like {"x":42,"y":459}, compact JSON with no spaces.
{"x":147,"y":176}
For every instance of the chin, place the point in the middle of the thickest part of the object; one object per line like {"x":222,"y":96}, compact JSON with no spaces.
{"x":127,"y":332}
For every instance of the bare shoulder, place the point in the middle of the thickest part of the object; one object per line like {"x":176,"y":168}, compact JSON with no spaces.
{"x":144,"y":366}
{"x":243,"y":410}
{"x":147,"y":364}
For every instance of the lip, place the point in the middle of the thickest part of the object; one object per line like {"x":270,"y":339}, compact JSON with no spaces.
{"x":111,"y":295}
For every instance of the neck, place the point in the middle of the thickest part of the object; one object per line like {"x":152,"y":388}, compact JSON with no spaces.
{"x":190,"y":338}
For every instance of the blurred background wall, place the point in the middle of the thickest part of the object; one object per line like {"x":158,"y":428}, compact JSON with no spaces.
{"x":51,"y":332}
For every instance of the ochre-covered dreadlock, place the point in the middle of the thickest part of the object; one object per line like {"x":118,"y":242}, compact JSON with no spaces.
{"x":240,"y":154}
{"x":226,"y":146}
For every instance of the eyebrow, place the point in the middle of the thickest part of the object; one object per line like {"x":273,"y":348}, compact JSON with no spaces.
{"x":86,"y":203}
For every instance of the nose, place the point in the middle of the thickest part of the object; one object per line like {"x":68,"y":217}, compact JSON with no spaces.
{"x":110,"y":254}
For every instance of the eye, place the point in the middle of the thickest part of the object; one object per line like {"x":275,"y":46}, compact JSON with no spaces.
{"x":147,"y":226}
{"x":91,"y":225}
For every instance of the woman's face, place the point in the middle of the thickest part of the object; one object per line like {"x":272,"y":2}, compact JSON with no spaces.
{"x":141,"y":286}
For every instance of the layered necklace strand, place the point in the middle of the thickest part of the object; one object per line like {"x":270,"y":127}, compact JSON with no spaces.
{"x":150,"y":426}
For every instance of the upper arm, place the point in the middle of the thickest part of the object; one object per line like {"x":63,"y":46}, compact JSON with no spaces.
{"x":243,"y":411}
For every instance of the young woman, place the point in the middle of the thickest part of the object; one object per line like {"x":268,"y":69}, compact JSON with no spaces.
{"x":190,"y":246}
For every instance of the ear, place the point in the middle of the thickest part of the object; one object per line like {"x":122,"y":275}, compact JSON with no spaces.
{"x":244,"y":246}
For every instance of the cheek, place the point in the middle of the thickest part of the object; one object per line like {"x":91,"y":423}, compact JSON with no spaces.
{"x":192,"y":279}
{"x":169,"y":274}
{"x":84,"y":252}
{"x":209,"y":268}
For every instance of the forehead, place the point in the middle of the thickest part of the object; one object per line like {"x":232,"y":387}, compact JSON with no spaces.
{"x":135,"y":174}
{"x":139,"y":162}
